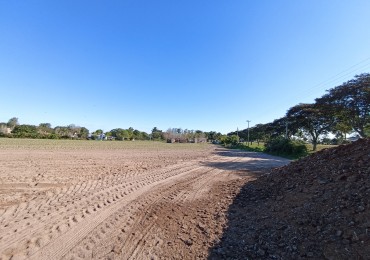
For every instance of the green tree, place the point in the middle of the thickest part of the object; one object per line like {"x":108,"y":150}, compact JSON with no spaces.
{"x":126,"y":134}
{"x":117,"y":133}
{"x":212,"y":136}
{"x":45,"y":129}
{"x":341,"y":129}
{"x":284,"y":146}
{"x":45,"y":125}
{"x":350,"y":103}
{"x":83,"y":133}
{"x":230,"y":139}
{"x":98,"y":132}
{"x":62,"y":131}
{"x":312,"y":120}
{"x":157,"y":134}
{"x":12,"y":122}
{"x":259,"y":133}
{"x":25,"y":131}
{"x":144,"y":136}
{"x":130,"y":132}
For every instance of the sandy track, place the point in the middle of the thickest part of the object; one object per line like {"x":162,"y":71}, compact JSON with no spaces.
{"x":110,"y":212}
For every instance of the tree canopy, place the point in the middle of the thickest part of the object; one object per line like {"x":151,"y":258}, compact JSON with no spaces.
{"x":342,"y":110}
{"x":350,"y":103}
{"x":312,"y":120}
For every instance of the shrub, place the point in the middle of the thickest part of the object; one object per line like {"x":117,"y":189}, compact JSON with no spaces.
{"x":285,"y":147}
{"x":230,"y":140}
{"x":25,"y":131}
{"x":53,"y":136}
{"x":5,"y":135}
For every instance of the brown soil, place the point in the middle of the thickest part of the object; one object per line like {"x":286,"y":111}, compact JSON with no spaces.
{"x":318,"y":208}
{"x":99,"y":202}
{"x":88,"y":202}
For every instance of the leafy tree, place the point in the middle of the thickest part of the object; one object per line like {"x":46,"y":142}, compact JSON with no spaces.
{"x":25,"y":131}
{"x":84,"y":133}
{"x":212,"y":136}
{"x":144,"y":136}
{"x":45,"y":129}
{"x":130,"y":132}
{"x":73,"y":130}
{"x":286,"y":147}
{"x":341,"y":129}
{"x":136,"y":134}
{"x":12,"y":122}
{"x":157,"y":134}
{"x":230,"y":139}
{"x":259,"y":133}
{"x":98,"y":132}
{"x":199,"y":134}
{"x":62,"y":131}
{"x":350,"y":103}
{"x":125,"y":134}
{"x":45,"y":125}
{"x":117,"y":133}
{"x":282,"y":127}
{"x":312,"y":120}
{"x":367,"y":129}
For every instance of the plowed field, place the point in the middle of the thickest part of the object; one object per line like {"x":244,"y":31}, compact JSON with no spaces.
{"x":118,"y":200}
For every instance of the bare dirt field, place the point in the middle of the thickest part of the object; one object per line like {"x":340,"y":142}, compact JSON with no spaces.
{"x":118,"y":200}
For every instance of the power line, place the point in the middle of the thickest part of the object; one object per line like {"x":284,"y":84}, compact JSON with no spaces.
{"x":332,"y":79}
{"x":343,"y":74}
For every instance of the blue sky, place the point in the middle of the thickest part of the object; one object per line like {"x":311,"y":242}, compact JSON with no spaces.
{"x":208,"y":65}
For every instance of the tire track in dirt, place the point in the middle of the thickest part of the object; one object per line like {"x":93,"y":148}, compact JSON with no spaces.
{"x":106,"y":215}
{"x":71,"y":213}
{"x":66,"y":202}
{"x":141,"y":246}
{"x":64,"y":243}
{"x":134,"y":236}
{"x":134,"y":249}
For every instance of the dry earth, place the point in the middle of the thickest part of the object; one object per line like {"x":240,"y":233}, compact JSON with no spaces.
{"x":118,"y":200}
{"x":314,"y":208}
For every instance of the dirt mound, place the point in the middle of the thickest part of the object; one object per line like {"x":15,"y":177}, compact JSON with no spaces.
{"x":317,"y":207}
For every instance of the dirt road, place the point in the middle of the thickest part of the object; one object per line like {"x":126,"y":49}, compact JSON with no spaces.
{"x":119,"y":203}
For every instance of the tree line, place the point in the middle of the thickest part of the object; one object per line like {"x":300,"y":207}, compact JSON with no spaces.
{"x":185,"y":135}
{"x":13,"y":129}
{"x":343,"y":110}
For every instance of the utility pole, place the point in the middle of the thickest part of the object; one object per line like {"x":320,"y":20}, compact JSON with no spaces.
{"x":248,"y":131}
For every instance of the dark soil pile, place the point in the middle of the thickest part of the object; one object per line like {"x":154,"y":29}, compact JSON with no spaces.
{"x":317,"y":207}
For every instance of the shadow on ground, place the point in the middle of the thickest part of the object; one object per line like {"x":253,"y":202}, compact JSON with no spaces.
{"x":244,"y":216}
{"x":246,"y":161}
{"x":242,"y":153}
{"x":315,"y":208}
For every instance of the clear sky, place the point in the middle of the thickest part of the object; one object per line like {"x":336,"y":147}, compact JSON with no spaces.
{"x":208,"y":65}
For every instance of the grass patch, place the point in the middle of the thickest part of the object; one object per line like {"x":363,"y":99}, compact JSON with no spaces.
{"x":319,"y":147}
{"x":254,"y":147}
